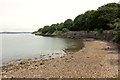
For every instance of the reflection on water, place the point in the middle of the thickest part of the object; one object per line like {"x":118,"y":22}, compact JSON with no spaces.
{"x":16,"y":46}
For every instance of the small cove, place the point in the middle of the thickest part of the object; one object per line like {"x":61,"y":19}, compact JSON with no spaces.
{"x":30,"y":47}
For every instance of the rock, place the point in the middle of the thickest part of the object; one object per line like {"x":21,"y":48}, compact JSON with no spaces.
{"x":36,"y":65}
{"x":54,"y":65}
{"x":23,"y":62}
{"x":71,"y":56}
{"x":101,"y":65}
{"x":41,"y":63}
{"x":49,"y":56}
{"x":108,"y":47}
{"x":66,"y":58}
{"x":88,"y":57}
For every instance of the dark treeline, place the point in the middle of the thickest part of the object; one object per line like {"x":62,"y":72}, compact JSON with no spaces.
{"x":106,"y":17}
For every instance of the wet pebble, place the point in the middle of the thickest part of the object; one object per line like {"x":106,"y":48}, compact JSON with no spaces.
{"x":41,"y":63}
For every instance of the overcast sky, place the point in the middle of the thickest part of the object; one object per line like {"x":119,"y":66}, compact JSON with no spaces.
{"x":30,"y":15}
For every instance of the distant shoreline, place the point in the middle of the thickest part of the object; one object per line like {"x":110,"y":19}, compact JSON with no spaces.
{"x":13,"y":32}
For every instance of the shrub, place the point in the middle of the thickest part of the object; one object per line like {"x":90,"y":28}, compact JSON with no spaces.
{"x":65,"y":30}
{"x":116,"y":25}
{"x":57,"y":33}
{"x":116,"y":37}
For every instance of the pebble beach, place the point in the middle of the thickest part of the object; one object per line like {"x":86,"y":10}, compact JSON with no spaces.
{"x":97,"y":59}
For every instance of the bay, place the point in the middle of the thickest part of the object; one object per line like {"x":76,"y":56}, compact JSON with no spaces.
{"x":25,"y":46}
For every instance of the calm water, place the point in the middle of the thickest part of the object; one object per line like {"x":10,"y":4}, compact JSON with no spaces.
{"x":16,"y":46}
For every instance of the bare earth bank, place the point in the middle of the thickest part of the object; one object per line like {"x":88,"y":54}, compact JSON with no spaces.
{"x":97,"y":59}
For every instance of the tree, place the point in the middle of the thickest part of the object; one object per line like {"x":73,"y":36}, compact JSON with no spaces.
{"x":39,"y":30}
{"x":45,"y":29}
{"x":68,"y":24}
{"x":60,"y":26}
{"x":104,"y":18}
{"x":85,"y":21}
{"x":52,"y":28}
{"x":116,"y":25}
{"x":65,"y":30}
{"x":105,"y":14}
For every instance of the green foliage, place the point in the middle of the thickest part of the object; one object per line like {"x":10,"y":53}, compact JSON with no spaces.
{"x":116,"y":37}
{"x":106,"y":14}
{"x":97,"y":19}
{"x":68,"y":24}
{"x":110,"y":5}
{"x":84,"y":21}
{"x":57,"y":33}
{"x":52,"y":28}
{"x":48,"y":33}
{"x":45,"y":29}
{"x":116,"y":25}
{"x":105,"y":17}
{"x":60,"y":26}
{"x":65,"y":30}
{"x":99,"y":30}
{"x":34,"y":32}
{"x":37,"y":32}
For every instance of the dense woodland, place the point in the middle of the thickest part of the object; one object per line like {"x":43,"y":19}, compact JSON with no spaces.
{"x":106,"y":17}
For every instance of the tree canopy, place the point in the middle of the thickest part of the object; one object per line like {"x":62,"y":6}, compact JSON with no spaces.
{"x":104,"y":18}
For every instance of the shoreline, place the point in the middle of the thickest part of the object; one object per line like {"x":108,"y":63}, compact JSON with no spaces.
{"x":97,"y":59}
{"x":43,"y":56}
{"x":32,"y":58}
